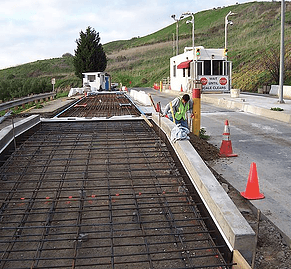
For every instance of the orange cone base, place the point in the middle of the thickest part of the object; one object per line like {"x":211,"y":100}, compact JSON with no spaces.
{"x":252,"y":190}
{"x":226,"y":149}
{"x":252,"y":197}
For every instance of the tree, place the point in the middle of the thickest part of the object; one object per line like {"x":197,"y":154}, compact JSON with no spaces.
{"x":89,"y":55}
{"x":271,"y":62}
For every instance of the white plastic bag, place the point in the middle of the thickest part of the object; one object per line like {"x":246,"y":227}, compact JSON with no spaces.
{"x":179,"y":133}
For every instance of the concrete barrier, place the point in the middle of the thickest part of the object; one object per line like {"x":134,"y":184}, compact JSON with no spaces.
{"x":74,"y":91}
{"x":286,"y":91}
{"x":233,"y":226}
{"x":234,"y":93}
{"x":7,"y":134}
{"x":141,"y":97}
{"x":133,"y":94}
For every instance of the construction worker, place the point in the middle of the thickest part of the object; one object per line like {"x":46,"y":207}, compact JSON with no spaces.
{"x":180,"y":106}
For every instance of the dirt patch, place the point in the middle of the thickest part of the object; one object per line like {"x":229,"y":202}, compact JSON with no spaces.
{"x":272,"y":252}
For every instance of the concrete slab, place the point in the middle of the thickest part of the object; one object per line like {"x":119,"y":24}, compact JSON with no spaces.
{"x":53,"y":105}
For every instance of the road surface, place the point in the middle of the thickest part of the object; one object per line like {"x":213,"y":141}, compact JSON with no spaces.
{"x":255,"y":139}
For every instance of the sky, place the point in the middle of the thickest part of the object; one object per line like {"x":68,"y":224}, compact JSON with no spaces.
{"x":33,"y":30}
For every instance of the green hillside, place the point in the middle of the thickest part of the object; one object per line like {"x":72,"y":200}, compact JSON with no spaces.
{"x":145,"y":60}
{"x":255,"y":32}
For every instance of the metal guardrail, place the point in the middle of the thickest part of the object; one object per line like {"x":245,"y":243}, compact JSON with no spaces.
{"x":25,"y":100}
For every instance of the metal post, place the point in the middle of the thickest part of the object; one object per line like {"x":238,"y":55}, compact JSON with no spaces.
{"x":193,"y":40}
{"x":282,"y":54}
{"x":177,"y":32}
{"x":13,"y":132}
{"x":226,"y":22}
{"x":193,"y":29}
{"x":225,"y":31}
{"x":177,"y":37}
{"x":196,"y":97}
{"x":173,"y":44}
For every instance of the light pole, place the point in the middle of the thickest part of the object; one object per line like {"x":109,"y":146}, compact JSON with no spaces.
{"x":282,"y":54}
{"x":177,"y":31}
{"x":225,"y":27}
{"x":193,"y":39}
{"x":193,"y":27}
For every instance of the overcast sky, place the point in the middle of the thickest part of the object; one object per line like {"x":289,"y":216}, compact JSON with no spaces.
{"x":33,"y":30}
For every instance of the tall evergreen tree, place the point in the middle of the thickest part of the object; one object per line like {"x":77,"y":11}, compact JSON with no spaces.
{"x":89,"y":55}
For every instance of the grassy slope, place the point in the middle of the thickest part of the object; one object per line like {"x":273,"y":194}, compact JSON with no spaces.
{"x":60,"y":68}
{"x":256,"y":28}
{"x":145,"y":60}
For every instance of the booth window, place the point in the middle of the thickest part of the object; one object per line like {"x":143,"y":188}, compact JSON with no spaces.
{"x":207,"y":67}
{"x":199,"y":68}
{"x":91,"y":78}
{"x":174,"y":70}
{"x":217,"y":67}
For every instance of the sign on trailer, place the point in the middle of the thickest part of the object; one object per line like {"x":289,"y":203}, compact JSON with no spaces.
{"x":214,"y":83}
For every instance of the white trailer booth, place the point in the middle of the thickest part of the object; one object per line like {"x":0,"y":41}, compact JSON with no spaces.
{"x":96,"y":80}
{"x":92,"y":82}
{"x":210,"y":66}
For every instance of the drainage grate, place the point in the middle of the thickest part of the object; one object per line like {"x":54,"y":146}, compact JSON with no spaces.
{"x":99,"y":195}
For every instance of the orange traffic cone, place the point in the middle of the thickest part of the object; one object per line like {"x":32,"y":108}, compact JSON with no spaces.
{"x":226,"y":147}
{"x":181,"y":88}
{"x":252,"y":190}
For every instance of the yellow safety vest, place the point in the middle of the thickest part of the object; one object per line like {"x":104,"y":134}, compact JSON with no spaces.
{"x":181,"y":113}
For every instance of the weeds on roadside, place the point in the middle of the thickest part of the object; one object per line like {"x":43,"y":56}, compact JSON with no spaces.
{"x":277,"y":109}
{"x":203,"y":135}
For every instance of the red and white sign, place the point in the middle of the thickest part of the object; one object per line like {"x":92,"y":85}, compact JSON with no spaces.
{"x":214,"y":83}
{"x":223,"y":81}
{"x":204,"y":80}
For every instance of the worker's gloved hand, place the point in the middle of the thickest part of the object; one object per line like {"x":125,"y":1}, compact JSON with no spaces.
{"x":192,"y":116}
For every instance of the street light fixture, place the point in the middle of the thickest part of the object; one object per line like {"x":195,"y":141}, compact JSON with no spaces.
{"x":225,"y":27}
{"x":177,"y":31}
{"x":193,"y":27}
{"x":193,"y":40}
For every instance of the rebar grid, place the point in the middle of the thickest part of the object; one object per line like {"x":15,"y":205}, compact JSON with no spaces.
{"x":102,"y":105}
{"x":99,"y":195}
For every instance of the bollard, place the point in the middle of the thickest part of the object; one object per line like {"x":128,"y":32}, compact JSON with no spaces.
{"x":196,"y":111}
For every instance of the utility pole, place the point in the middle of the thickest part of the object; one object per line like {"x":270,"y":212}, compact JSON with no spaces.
{"x":282,"y":54}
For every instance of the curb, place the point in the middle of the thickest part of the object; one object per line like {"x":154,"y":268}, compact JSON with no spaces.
{"x":264,"y":112}
{"x":231,"y":223}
